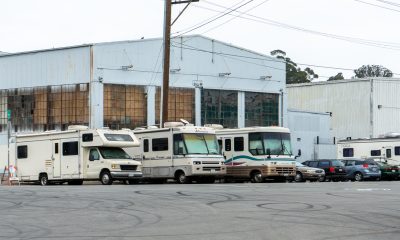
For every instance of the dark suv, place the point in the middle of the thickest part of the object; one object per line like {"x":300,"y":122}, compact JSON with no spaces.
{"x":334,"y":169}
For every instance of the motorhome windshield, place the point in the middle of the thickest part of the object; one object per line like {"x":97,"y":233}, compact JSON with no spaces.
{"x":200,"y":143}
{"x":113,"y":153}
{"x":274,"y":143}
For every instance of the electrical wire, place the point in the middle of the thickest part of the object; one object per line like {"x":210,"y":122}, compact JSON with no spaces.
{"x":216,"y":18}
{"x":389,"y":3}
{"x":250,"y":17}
{"x":379,"y":6}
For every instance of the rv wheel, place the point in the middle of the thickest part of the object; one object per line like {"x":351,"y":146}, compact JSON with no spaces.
{"x":181,"y":177}
{"x":105,"y":178}
{"x":256,"y":177}
{"x":43,"y":179}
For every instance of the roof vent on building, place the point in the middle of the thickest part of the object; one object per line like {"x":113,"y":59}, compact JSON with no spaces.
{"x":78,"y":127}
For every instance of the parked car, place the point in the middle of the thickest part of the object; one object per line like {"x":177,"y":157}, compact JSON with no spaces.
{"x":360,"y":169}
{"x":304,"y":173}
{"x":334,"y":169}
{"x":388,"y":171}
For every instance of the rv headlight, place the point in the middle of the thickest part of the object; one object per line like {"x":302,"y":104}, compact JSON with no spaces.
{"x":196,"y":162}
{"x":114,"y":166}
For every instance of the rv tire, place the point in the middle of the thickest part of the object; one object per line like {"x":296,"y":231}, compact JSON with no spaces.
{"x":43,"y":180}
{"x":181,"y":177}
{"x":105,"y":178}
{"x":256,"y":177}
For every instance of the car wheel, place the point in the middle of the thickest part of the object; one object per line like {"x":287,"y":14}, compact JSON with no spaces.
{"x":322,"y":179}
{"x":358,"y":176}
{"x":105,"y":178}
{"x":298,"y":177}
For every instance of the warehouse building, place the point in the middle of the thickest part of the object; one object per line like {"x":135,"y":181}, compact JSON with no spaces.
{"x":360,"y":108}
{"x":117,"y":85}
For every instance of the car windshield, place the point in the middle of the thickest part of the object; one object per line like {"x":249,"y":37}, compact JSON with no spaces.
{"x":299,"y":164}
{"x":337,"y":163}
{"x":200,"y":143}
{"x":113,"y":153}
{"x":275,"y":143}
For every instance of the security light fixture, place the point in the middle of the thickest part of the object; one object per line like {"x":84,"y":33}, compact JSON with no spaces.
{"x":174,"y":70}
{"x":224,"y":74}
{"x":126,"y":68}
{"x":267,"y":77}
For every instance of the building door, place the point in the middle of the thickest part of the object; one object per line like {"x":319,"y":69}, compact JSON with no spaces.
{"x":56,"y":158}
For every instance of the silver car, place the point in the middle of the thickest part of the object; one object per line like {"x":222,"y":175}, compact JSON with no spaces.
{"x":304,"y":173}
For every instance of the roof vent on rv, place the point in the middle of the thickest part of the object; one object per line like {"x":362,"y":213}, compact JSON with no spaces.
{"x":392,"y":135}
{"x":214,"y":126}
{"x":126,"y":129}
{"x":152,"y":127}
{"x":78,"y":127}
{"x":173,"y":124}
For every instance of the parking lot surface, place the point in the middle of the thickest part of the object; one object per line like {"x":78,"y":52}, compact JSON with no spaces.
{"x":340,"y":210}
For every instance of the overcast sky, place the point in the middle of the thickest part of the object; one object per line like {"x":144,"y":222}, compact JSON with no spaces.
{"x":36,"y":24}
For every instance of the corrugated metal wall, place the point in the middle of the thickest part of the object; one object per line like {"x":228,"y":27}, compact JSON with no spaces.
{"x":43,"y":68}
{"x":349,"y":103}
{"x":386,"y":106}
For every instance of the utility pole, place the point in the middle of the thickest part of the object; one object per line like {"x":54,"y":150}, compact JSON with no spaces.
{"x":166,"y":55}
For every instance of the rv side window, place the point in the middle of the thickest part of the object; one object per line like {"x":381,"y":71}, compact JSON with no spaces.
{"x":146,"y":145}
{"x":179,"y":146}
{"x":87,"y":137}
{"x":70,"y":148}
{"x":228,"y":145}
{"x":397,"y":151}
{"x":375,"y":153}
{"x":159,"y":144}
{"x":94,"y":155}
{"x":22,"y":152}
{"x":238,"y":144}
{"x":388,"y":153}
{"x":55,"y":148}
{"x":348,"y":152}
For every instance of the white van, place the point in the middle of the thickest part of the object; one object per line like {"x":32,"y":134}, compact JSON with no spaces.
{"x":75,"y":155}
{"x":178,"y":151}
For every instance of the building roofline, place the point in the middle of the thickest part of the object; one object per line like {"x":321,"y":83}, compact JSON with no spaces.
{"x":136,"y":41}
{"x":342,"y":81}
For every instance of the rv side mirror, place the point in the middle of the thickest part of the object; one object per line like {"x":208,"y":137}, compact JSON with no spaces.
{"x":268,"y":151}
{"x":299,"y":153}
{"x":91,"y":158}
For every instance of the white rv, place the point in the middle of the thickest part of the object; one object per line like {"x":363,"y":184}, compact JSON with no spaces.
{"x":75,"y":155}
{"x":387,"y":147}
{"x":180,"y":152}
{"x":257,"y":153}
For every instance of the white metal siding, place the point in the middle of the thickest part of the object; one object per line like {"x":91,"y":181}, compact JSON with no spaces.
{"x":387,"y":117}
{"x":53,"y":67}
{"x":146,"y":57}
{"x":349,"y":103}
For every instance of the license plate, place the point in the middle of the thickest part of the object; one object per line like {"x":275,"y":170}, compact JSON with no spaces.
{"x":131,"y":174}
{"x":374,"y":169}
{"x":286,"y":174}
{"x":393,"y":170}
{"x":212,"y":170}
{"x":340,"y":170}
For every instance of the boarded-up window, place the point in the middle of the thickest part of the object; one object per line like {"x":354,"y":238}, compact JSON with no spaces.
{"x":124,"y":106}
{"x":181,"y":104}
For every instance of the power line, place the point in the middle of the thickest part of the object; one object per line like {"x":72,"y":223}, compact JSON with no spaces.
{"x":380,"y":44}
{"x":379,"y":6}
{"x":216,"y":18}
{"x":389,"y":3}
{"x":188,"y":47}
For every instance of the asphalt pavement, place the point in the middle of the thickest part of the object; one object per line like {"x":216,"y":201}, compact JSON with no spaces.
{"x":330,"y":210}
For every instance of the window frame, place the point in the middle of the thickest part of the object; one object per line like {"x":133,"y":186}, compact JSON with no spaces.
{"x":74,"y":144}
{"x":240,"y":141}
{"x":24,"y":153}
{"x":155,"y":146}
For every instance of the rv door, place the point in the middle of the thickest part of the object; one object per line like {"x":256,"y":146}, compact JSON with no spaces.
{"x":56,"y":158}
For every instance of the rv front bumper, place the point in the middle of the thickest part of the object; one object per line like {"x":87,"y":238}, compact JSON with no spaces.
{"x":126,"y":175}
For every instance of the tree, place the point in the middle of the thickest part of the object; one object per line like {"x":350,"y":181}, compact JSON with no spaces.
{"x":372,"y":71}
{"x":294,"y":74}
{"x":338,"y":76}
